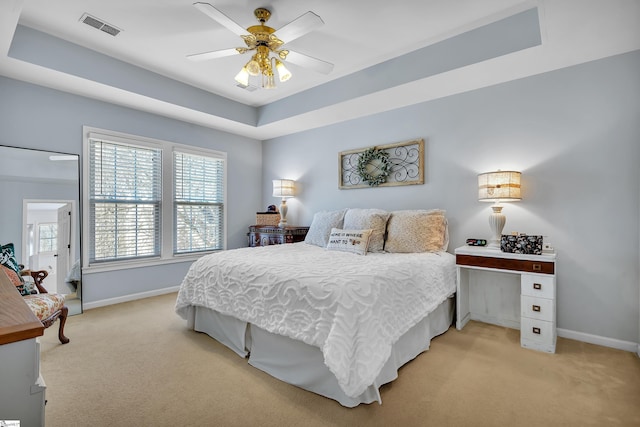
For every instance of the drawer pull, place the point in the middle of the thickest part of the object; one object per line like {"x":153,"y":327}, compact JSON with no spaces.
{"x":536,"y":330}
{"x":537,"y":286}
{"x":537,"y":267}
{"x":535,"y":308}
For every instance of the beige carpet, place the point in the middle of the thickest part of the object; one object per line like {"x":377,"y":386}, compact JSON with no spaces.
{"x":136,"y":364}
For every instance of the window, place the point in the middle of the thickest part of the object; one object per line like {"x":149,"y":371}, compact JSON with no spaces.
{"x":198,"y":202}
{"x":125,"y":195}
{"x":149,"y":201}
{"x":48,"y":237}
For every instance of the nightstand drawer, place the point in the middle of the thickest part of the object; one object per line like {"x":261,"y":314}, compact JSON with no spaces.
{"x":538,"y":286}
{"x":536,"y":331}
{"x":537,"y":308}
{"x":520,"y":265}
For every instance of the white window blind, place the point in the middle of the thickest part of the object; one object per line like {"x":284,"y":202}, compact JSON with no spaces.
{"x":198,"y":203}
{"x":125,"y":194}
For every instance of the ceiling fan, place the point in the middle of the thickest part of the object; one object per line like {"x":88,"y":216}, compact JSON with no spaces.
{"x":265,"y":41}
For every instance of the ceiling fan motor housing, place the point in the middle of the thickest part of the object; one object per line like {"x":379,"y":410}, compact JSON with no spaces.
{"x":263,"y":41}
{"x":262,"y":14}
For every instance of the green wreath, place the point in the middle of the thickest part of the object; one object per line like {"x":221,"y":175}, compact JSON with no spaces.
{"x":381,"y":168}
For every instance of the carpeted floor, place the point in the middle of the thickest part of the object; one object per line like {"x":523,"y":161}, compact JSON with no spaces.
{"x":137,"y":364}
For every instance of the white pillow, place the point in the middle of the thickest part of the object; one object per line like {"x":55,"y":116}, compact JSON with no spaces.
{"x":363,"y":219}
{"x":354,"y":241}
{"x":417,"y":231}
{"x":321,"y":226}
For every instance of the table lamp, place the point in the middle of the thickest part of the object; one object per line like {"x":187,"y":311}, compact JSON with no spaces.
{"x":283,"y":188}
{"x":498,"y":186}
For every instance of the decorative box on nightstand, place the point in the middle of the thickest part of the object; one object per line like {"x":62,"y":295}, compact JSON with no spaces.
{"x":264,"y":235}
{"x":537,"y":291}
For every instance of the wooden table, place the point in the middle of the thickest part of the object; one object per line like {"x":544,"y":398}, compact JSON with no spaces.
{"x":264,"y":235}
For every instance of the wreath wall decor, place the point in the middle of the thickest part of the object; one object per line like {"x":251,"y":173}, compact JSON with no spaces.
{"x":382,"y":166}
{"x":374,"y":166}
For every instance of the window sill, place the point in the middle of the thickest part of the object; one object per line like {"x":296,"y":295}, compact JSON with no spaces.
{"x":151,"y":262}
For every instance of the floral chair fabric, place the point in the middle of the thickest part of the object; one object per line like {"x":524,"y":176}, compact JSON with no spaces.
{"x":47,"y":307}
{"x":44,"y":305}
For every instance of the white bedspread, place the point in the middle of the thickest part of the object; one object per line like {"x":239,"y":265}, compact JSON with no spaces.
{"x":352,"y":307}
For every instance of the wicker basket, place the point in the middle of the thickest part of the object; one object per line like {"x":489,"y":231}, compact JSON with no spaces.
{"x":267,"y":218}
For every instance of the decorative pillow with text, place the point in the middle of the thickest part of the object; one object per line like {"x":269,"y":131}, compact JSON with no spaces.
{"x":354,"y":241}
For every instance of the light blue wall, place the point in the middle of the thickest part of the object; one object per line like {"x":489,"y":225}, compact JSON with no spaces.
{"x":574,"y":134}
{"x":40,"y":118}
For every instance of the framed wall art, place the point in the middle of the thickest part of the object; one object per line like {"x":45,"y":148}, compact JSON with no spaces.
{"x":388,"y":165}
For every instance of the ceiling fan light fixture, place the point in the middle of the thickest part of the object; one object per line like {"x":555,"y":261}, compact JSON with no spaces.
{"x":243,"y":77}
{"x":270,"y":81}
{"x":253,"y":67}
{"x":283,"y":73}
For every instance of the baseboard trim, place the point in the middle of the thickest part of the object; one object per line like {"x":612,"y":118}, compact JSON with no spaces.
{"x":507,"y":323}
{"x":599,"y":340}
{"x":131,"y":297}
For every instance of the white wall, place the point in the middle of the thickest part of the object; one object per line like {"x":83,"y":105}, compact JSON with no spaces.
{"x":36,"y":117}
{"x":574,"y":135}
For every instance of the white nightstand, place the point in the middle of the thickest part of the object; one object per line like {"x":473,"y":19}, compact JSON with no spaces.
{"x":537,"y":291}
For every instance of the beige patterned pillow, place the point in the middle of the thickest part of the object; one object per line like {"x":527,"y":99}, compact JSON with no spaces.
{"x":321,"y":226}
{"x":363,"y":219}
{"x":354,"y":241}
{"x":417,"y":231}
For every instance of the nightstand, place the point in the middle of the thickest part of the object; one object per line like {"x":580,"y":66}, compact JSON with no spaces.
{"x":537,"y":291}
{"x":264,"y":235}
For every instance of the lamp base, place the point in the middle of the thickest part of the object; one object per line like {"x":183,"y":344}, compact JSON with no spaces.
{"x":496,"y":223}
{"x":283,"y":213}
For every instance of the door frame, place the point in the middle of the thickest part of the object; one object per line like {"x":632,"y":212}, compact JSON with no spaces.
{"x":74,"y":224}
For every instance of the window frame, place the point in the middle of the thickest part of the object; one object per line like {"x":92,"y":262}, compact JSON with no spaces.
{"x":167,"y":220}
{"x":54,"y":240}
{"x":192,"y":152}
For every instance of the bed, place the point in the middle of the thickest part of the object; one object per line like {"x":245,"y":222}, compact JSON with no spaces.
{"x":337,"y":314}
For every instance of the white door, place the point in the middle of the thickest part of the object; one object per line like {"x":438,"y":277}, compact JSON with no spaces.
{"x":63,"y":263}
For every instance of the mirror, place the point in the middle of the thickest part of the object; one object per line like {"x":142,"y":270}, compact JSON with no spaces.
{"x":40,"y":215}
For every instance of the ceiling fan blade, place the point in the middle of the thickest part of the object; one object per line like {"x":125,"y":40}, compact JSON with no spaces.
{"x":221,"y":18}
{"x":299,"y":27}
{"x":306,"y":61}
{"x":204,"y":56}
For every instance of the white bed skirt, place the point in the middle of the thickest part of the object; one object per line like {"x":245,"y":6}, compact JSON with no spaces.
{"x":303,"y":365}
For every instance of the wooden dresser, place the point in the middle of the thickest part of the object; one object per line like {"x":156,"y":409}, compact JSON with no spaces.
{"x":264,"y":235}
{"x":22,"y":389}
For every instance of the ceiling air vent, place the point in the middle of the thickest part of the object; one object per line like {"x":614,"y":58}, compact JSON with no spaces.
{"x":99,"y":24}
{"x":249,"y":88}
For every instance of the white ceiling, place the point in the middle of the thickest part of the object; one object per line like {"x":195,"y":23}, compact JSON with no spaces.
{"x":158,"y":34}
